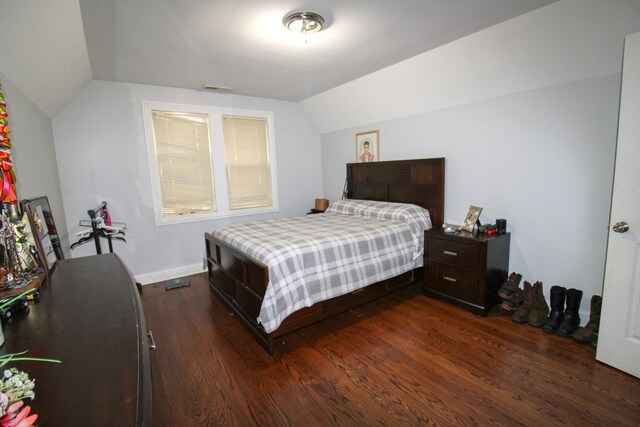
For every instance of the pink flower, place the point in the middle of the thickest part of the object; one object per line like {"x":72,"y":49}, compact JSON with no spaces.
{"x":12,"y":418}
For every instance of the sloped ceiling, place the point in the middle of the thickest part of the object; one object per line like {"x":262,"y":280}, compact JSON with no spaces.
{"x":58,"y":46}
{"x":44,"y":51}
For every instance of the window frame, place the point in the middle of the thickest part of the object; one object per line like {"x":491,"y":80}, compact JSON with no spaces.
{"x":218,"y":165}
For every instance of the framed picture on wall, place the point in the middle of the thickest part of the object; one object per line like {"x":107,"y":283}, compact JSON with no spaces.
{"x":368,"y":146}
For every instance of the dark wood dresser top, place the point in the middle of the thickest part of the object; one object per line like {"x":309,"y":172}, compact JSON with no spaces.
{"x":89,"y":316}
{"x":438,"y":232}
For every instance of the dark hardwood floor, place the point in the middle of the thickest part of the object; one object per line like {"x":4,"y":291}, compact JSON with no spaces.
{"x":405,"y":360}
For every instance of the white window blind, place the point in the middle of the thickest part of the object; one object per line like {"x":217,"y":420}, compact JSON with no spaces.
{"x":184,"y":162}
{"x":246,"y":150}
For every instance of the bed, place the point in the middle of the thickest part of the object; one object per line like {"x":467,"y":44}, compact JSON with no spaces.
{"x":240,"y":278}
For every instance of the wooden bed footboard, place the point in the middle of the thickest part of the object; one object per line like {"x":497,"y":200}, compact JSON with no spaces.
{"x":241,"y":282}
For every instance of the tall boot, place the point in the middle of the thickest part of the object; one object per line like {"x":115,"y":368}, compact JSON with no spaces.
{"x":589,"y":333}
{"x":556,"y":299}
{"x":571,"y":319}
{"x":522,"y":315}
{"x":539,"y":308}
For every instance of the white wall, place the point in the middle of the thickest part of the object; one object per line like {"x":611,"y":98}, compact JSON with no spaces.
{"x":524,"y":112}
{"x":101,"y":151}
{"x":566,"y":41}
{"x":33,"y":155}
{"x":541,"y":159}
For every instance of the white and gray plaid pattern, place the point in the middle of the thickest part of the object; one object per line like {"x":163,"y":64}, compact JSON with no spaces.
{"x":318,"y":257}
{"x":415,"y":217}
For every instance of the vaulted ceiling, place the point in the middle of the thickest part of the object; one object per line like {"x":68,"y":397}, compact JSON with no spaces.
{"x":51,"y":49}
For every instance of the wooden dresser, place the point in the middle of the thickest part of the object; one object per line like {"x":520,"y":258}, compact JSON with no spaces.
{"x":89,"y":316}
{"x":465,"y":268}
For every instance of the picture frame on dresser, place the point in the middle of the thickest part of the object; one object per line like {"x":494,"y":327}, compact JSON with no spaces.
{"x":44,"y":231}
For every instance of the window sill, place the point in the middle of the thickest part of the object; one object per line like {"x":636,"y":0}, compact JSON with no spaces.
{"x":184,"y":219}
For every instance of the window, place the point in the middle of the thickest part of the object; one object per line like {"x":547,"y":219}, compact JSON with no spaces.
{"x":207,"y":162}
{"x":184,"y":162}
{"x":246,"y":154}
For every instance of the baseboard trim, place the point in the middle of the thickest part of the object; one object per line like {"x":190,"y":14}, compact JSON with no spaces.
{"x":160,"y":276}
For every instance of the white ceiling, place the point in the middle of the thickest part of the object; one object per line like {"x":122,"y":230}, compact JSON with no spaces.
{"x":237,"y":43}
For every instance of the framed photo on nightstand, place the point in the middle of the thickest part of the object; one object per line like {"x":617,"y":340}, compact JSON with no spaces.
{"x":471,"y":218}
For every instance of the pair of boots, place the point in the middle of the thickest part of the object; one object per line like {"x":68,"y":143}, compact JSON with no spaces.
{"x":563,"y":321}
{"x":534,"y":310}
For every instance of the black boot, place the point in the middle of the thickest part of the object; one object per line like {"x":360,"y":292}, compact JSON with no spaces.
{"x":589,"y":334}
{"x":571,"y":319}
{"x":556,"y":300}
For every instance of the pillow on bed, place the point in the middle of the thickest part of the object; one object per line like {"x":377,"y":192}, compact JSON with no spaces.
{"x":416,"y":217}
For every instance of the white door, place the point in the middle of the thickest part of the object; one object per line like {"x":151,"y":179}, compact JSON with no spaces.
{"x":619,"y":337}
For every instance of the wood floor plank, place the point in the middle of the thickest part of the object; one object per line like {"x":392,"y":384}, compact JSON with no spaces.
{"x":404,"y":360}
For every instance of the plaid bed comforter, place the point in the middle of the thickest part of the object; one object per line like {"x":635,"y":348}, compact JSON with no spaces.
{"x":317,"y":257}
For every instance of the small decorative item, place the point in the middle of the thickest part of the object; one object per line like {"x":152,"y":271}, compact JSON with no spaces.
{"x":11,"y":304}
{"x":19,"y":272}
{"x":321,"y":205}
{"x":44,"y":230}
{"x":471,"y":219}
{"x":8,"y":246}
{"x":501,"y":226}
{"x":368,"y":146}
{"x":15,"y":386}
{"x":7,"y":175}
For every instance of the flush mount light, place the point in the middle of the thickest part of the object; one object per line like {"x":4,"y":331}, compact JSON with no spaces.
{"x":303,"y":23}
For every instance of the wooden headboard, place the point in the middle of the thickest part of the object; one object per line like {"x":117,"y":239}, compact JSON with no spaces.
{"x":418,"y":181}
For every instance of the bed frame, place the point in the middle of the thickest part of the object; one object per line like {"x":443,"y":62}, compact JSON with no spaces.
{"x":241,"y":281}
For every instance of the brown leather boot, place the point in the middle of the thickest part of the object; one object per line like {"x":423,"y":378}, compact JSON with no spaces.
{"x":589,"y":333}
{"x":522,"y":315}
{"x":512,"y":303}
{"x":539,"y":308}
{"x":510,"y":285}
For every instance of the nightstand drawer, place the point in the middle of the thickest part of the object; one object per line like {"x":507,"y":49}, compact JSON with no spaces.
{"x":461,"y":253}
{"x":465,"y":268}
{"x":454,"y":282}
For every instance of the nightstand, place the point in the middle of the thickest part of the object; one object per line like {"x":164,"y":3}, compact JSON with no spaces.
{"x":465,"y":268}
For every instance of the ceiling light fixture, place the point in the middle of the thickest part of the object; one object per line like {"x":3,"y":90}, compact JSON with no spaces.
{"x":303,"y":23}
